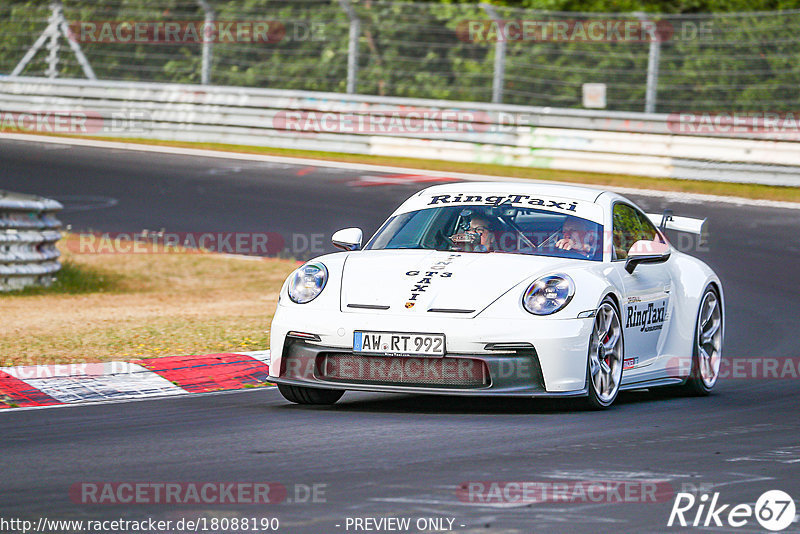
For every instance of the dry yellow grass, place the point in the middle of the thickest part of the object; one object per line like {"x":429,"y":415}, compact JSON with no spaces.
{"x":143,"y":305}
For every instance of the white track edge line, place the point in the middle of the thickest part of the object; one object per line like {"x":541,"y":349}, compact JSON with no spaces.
{"x":677,"y":196}
{"x":185,"y":395}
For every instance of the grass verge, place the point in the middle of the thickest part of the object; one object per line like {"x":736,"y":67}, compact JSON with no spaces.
{"x":75,"y":278}
{"x":128,"y":306}
{"x":753,"y":191}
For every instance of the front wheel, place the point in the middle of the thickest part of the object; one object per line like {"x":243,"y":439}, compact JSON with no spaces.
{"x":303,"y":395}
{"x":606,"y":354}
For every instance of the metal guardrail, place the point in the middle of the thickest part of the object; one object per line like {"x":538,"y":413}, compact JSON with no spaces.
{"x":29,"y":231}
{"x":644,"y":144}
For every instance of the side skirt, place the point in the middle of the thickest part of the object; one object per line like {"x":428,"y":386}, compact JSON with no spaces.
{"x":653,"y":383}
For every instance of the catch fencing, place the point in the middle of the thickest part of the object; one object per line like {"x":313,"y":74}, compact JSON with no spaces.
{"x":29,"y":231}
{"x":647,"y":62}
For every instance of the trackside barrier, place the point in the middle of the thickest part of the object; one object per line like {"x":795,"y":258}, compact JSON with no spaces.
{"x":643,"y":144}
{"x":29,"y":231}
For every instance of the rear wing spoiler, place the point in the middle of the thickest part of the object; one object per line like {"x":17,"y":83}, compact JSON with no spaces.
{"x":668,"y":221}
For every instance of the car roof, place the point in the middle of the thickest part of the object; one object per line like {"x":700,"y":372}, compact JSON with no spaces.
{"x":577,"y":192}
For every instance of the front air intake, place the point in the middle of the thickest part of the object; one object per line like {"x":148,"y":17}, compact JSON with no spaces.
{"x":403,"y":371}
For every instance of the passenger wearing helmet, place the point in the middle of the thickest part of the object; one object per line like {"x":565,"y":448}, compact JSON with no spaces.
{"x":576,"y":236}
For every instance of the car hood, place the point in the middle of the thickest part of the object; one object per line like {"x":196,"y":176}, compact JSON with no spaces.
{"x":434,"y":282}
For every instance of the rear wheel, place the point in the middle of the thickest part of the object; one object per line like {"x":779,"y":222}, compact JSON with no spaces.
{"x":707,"y":353}
{"x":606,"y":354}
{"x":303,"y":395}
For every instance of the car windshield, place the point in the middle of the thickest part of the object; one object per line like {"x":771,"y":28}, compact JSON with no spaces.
{"x":485,"y":229}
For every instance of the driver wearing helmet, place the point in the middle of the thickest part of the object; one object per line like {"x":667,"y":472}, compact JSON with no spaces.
{"x":477,"y":237}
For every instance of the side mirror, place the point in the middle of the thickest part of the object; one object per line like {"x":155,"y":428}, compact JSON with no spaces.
{"x":347,"y":239}
{"x":646,"y":252}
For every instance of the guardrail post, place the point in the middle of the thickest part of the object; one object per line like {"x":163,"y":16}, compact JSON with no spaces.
{"x":499,"y":57}
{"x":205,"y":72}
{"x":653,"y":59}
{"x":52,"y":45}
{"x":352,"y":45}
{"x":28,"y":235}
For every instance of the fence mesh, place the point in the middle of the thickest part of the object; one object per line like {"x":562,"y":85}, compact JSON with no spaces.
{"x":709,"y":62}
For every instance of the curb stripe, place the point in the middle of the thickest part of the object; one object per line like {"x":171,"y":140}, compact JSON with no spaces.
{"x":128,"y":381}
{"x":213,"y":372}
{"x":16,"y":393}
{"x":59,"y":385}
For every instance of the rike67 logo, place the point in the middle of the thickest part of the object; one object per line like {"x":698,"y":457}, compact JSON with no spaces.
{"x":774,"y":510}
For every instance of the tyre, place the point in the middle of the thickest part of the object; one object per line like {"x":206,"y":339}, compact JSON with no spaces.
{"x":707,"y":351}
{"x":606,"y":354}
{"x":303,"y":395}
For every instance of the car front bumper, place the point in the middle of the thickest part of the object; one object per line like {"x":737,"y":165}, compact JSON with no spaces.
{"x":551,"y":361}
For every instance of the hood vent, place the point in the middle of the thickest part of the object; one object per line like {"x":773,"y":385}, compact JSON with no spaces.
{"x":368,"y":306}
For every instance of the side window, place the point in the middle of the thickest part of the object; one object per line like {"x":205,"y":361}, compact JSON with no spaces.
{"x":648,"y":229}
{"x":630,"y":226}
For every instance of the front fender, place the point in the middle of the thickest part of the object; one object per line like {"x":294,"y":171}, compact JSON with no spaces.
{"x":592,"y":285}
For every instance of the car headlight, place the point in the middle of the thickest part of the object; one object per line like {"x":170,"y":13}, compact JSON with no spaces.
{"x":307,"y":282}
{"x":548,"y":294}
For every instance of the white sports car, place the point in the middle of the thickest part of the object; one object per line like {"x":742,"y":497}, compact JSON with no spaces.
{"x":507,"y":289}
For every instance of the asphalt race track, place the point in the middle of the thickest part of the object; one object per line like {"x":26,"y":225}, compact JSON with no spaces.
{"x":376,"y":455}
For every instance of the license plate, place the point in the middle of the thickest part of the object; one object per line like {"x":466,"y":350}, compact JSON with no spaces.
{"x":399,"y":344}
